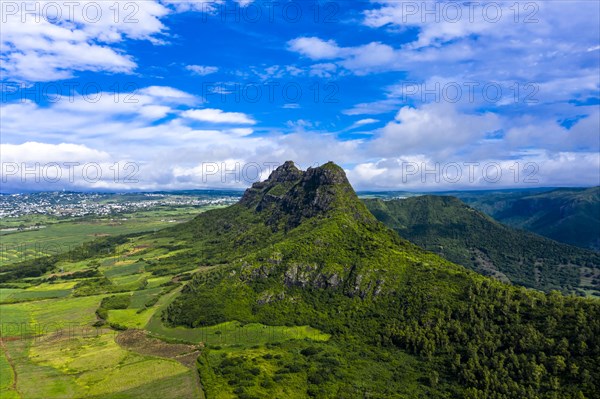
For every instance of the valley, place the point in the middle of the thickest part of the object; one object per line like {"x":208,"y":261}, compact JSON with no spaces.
{"x":463,"y":235}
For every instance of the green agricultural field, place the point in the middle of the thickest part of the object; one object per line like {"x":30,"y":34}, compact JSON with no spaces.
{"x":15,"y":320}
{"x":7,"y":378}
{"x":123,"y":269}
{"x":49,"y":315}
{"x":57,"y":236}
{"x":42,"y":291}
{"x":157,"y":281}
{"x":27,"y":295}
{"x":53,"y":343}
{"x":234,"y":333}
{"x":35,"y":380}
{"x":62,"y":237}
{"x":56,"y":344}
{"x":7,"y":293}
{"x":94,"y":366}
{"x":129,"y":318}
{"x":53,"y":286}
{"x":140,"y":298}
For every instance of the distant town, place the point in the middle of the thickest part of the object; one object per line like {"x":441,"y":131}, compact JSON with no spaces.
{"x":76,"y":204}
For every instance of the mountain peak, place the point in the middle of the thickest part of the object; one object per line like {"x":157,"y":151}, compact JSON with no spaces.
{"x":286,"y":172}
{"x":327,"y":174}
{"x":290,"y":195}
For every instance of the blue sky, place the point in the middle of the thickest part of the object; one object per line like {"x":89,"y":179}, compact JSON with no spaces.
{"x":150,"y":95}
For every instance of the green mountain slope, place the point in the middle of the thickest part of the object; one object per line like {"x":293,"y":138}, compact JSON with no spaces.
{"x":301,"y":249}
{"x":463,"y":235}
{"x":569,"y":215}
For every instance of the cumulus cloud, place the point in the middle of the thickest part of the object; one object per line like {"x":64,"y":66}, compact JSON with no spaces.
{"x":53,"y":41}
{"x":316,"y":48}
{"x":424,"y":173}
{"x":436,"y":127}
{"x":362,"y":59}
{"x":583,"y":135}
{"x":213,"y":115}
{"x":32,"y":152}
{"x":244,"y":3}
{"x":373,"y":108}
{"x":418,"y":150}
{"x":101,"y":116}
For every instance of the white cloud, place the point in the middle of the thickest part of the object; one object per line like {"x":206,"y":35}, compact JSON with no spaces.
{"x":205,"y":6}
{"x":423,"y":173}
{"x":582,"y":136}
{"x":441,"y":22}
{"x":32,"y":152}
{"x":154,"y":102}
{"x":433,"y":128}
{"x":166,"y":93}
{"x":174,"y":154}
{"x":240,"y":131}
{"x":301,"y":125}
{"x":323,"y":70}
{"x":102,"y":117}
{"x":213,"y":115}
{"x":362,"y":59}
{"x":315,"y":48}
{"x":360,"y":123}
{"x":202,"y":70}
{"x":244,"y":3}
{"x":365,"y":122}
{"x":373,"y":108}
{"x":43,"y":45}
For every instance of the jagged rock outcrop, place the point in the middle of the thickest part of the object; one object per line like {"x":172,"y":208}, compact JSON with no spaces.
{"x":261,"y":193}
{"x":290,"y":195}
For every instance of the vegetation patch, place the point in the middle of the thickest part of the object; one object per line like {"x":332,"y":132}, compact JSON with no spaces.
{"x":98,"y":366}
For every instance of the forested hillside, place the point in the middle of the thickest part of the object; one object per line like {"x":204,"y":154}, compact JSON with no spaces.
{"x":569,"y":215}
{"x":463,"y":235}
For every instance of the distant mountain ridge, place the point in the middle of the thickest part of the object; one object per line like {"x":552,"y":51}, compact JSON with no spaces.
{"x":461,"y":234}
{"x":569,"y":215}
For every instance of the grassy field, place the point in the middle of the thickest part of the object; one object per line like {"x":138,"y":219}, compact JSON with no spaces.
{"x":48,"y":316}
{"x":234,"y":333}
{"x":98,"y":366}
{"x":7,"y":378}
{"x":57,"y":236}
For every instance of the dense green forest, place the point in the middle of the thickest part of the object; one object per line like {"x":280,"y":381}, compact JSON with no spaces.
{"x":569,"y":215}
{"x":301,"y":249}
{"x":463,"y":235}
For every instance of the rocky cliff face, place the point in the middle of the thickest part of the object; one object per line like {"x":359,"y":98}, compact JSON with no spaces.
{"x":290,"y":195}
{"x":282,"y":178}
